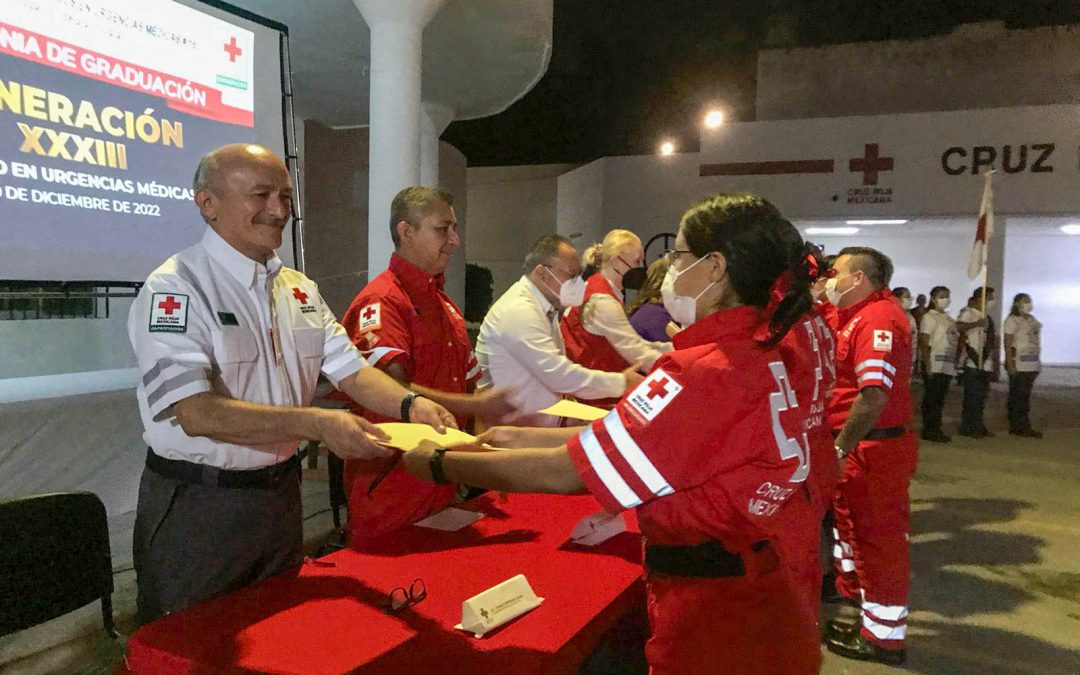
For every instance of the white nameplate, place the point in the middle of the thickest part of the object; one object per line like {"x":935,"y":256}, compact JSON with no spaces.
{"x":597,"y":528}
{"x":497,"y":605}
{"x":450,"y":519}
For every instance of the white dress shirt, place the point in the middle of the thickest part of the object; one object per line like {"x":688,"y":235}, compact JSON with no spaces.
{"x":940,"y":330}
{"x":520,"y":347}
{"x":1025,"y":330}
{"x":605,"y":316}
{"x":212,"y":319}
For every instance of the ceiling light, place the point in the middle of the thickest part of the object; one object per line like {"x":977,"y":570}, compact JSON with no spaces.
{"x":832,"y":230}
{"x":714,"y":119}
{"x":877,"y":221}
{"x":667,"y":148}
{"x":1071,"y":229}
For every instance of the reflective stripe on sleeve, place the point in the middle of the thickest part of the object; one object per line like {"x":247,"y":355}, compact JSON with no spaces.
{"x":379,"y":353}
{"x":876,"y":363}
{"x":634,"y":456}
{"x":606,"y":471}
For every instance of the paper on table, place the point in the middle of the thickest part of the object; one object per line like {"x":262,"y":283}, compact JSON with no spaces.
{"x":450,"y":519}
{"x":574,"y":410}
{"x":407,"y":436}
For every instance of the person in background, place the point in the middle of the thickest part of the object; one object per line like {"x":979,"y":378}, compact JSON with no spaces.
{"x":710,"y":482}
{"x":937,"y":357}
{"x":589,"y":266}
{"x":647,"y":313}
{"x":902,"y":294}
{"x":817,"y":291}
{"x":598,"y":334}
{"x":520,"y":347}
{"x":1022,"y":331}
{"x":979,"y":357}
{"x":920,"y":308}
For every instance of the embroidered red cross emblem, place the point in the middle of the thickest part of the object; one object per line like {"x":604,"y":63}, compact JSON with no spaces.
{"x":869,"y":164}
{"x":233,"y":49}
{"x":882,"y":335}
{"x":369,"y":312}
{"x":169,"y":304}
{"x":300,"y":295}
{"x":658,"y":388}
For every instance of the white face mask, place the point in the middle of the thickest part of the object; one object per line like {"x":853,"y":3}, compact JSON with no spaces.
{"x":831,"y":294}
{"x":571,"y":291}
{"x":941,"y":303}
{"x":682,"y":308}
{"x":906,"y":303}
{"x":1025,"y":307}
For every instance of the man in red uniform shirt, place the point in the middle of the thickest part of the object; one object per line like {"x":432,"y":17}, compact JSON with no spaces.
{"x":869,"y":412}
{"x":405,"y":324}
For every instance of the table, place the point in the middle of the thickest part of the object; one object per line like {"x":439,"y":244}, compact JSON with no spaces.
{"x":329,"y":619}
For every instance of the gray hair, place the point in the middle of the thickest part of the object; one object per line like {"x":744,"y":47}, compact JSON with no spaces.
{"x":544,"y":250}
{"x":412,"y":204}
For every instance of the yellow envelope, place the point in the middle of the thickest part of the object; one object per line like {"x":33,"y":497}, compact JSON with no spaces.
{"x":407,"y":436}
{"x":575,"y":410}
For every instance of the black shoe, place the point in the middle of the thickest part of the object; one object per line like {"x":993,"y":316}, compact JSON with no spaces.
{"x":1027,"y":433}
{"x":935,"y":436}
{"x":855,"y":646}
{"x":840,"y":628}
{"x":986,"y":433}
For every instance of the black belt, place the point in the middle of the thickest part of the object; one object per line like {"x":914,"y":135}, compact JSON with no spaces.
{"x":202,"y":474}
{"x":886,"y":432}
{"x":709,"y":560}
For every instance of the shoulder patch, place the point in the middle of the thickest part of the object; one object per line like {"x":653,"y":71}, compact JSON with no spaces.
{"x":168,"y":313}
{"x":883,"y":340}
{"x":651,"y":396}
{"x":371,"y":317}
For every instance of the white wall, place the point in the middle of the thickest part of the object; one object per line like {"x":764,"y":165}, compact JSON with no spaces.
{"x":1044,"y":264}
{"x":509,"y":209}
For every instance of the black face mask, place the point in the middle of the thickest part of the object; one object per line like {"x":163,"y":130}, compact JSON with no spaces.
{"x":634,"y":278}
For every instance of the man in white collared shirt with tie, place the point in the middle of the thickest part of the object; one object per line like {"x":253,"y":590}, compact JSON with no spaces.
{"x":520,"y":346}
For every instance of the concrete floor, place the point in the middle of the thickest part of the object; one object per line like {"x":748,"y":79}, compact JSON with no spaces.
{"x":995,"y":557}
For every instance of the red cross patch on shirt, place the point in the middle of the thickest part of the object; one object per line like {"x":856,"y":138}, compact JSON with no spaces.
{"x":653,"y":395}
{"x":883,"y":340}
{"x":371,"y":317}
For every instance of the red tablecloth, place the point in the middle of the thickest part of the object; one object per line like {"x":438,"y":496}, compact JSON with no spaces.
{"x":329,"y":619}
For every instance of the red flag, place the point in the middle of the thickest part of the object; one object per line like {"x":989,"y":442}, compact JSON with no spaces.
{"x":984,"y":231}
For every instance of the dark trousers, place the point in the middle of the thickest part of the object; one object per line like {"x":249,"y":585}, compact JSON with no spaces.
{"x":976,"y":386}
{"x":1019,"y":405}
{"x":936,"y":387}
{"x":193,"y":542}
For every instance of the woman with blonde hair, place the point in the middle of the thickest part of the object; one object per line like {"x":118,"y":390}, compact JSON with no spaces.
{"x":598,"y":334}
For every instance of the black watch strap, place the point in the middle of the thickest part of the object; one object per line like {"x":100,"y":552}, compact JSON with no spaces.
{"x":406,"y":405}
{"x":435,"y":464}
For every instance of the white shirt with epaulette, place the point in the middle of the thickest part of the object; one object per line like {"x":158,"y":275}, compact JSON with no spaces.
{"x":212,"y":319}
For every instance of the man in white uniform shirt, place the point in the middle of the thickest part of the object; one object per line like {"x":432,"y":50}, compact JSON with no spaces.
{"x":937,"y":354}
{"x":979,"y":360}
{"x":520,"y":346}
{"x":1022,"y":347}
{"x":230,"y":344}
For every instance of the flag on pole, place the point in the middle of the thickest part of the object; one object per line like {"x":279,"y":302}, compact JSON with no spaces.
{"x":984,"y":231}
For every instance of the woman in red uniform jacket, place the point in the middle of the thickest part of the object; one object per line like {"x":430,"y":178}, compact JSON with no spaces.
{"x":708,"y":449}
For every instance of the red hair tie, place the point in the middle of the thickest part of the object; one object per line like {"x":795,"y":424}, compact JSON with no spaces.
{"x":812,"y":266}
{"x":777,"y":292}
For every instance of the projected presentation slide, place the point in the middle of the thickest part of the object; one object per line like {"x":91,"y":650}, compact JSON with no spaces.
{"x":106,"y":107}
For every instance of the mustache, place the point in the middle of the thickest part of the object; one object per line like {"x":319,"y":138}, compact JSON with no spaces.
{"x":272,"y":222}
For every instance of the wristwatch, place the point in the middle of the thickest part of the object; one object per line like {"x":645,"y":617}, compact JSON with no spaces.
{"x":406,"y":405}
{"x":436,"y":467}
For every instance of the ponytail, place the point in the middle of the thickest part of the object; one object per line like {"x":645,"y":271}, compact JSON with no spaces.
{"x":789,"y":296}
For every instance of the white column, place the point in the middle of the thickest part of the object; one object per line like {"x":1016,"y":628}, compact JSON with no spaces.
{"x":434,"y":118}
{"x":397,"y":32}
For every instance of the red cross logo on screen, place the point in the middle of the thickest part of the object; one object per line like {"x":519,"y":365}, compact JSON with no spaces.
{"x":299,"y":295}
{"x":169,"y":304}
{"x":233,"y":49}
{"x":369,"y":312}
{"x":869,"y":164}
{"x":658,"y":388}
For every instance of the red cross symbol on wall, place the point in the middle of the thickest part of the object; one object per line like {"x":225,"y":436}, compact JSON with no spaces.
{"x":299,"y":295}
{"x":658,"y":388}
{"x":369,"y":312}
{"x":233,"y":49}
{"x":169,"y":304}
{"x":869,"y":164}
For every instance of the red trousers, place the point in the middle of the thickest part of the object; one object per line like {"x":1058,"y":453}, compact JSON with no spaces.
{"x":873,"y":520}
{"x":756,"y":623}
